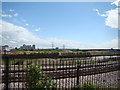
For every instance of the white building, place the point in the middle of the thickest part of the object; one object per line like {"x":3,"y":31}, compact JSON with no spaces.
{"x":5,"y":47}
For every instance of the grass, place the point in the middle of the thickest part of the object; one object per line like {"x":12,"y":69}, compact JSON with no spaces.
{"x":62,"y":52}
{"x":87,"y":86}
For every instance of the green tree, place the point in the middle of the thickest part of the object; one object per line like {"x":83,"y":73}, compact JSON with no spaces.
{"x":37,"y":79}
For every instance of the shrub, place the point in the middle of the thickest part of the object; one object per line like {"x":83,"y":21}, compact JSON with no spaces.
{"x":87,"y":86}
{"x":78,"y":63}
{"x":36,"y":79}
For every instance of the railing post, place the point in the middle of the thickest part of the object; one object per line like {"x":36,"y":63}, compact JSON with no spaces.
{"x":78,"y":67}
{"x":119,"y":70}
{"x":6,"y":78}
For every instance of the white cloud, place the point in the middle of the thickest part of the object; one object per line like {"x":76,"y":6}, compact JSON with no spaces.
{"x":113,"y":44}
{"x":111,"y":19}
{"x":99,"y":13}
{"x":16,"y":36}
{"x":12,"y":41}
{"x":116,"y":3}
{"x":16,"y":14}
{"x":112,"y":16}
{"x":20,"y":35}
{"x":38,"y":29}
{"x":5,"y":15}
{"x":11,"y":10}
{"x":8,"y":15}
{"x":26,"y":24}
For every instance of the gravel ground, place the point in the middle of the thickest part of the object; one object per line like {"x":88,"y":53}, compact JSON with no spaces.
{"x":102,"y":80}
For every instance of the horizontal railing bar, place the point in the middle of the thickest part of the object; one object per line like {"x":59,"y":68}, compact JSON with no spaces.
{"x":81,"y":71}
{"x":35,"y":56}
{"x":85,"y":74}
{"x":19,"y":79}
{"x":64,"y":68}
{"x":11,"y":81}
{"x":72,"y":72}
{"x":15,"y":71}
{"x":75,"y":67}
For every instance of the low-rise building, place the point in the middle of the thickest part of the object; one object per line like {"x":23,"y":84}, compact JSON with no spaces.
{"x":28,"y":47}
{"x":5,"y":48}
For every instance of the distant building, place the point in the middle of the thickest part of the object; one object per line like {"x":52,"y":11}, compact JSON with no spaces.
{"x":5,"y":48}
{"x":57,"y":48}
{"x":33,"y":46}
{"x":28,"y":47}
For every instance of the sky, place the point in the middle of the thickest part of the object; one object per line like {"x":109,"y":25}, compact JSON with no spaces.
{"x":79,"y":25}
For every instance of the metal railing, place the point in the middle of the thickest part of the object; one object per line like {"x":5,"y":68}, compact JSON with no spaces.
{"x":65,"y":71}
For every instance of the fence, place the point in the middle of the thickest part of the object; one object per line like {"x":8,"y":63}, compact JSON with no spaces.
{"x":65,"y":71}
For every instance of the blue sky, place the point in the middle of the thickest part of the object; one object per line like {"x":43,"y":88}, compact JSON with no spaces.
{"x":62,"y":22}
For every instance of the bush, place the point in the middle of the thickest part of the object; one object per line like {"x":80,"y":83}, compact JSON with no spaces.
{"x":78,"y":63}
{"x":36,"y":79}
{"x":87,"y":86}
